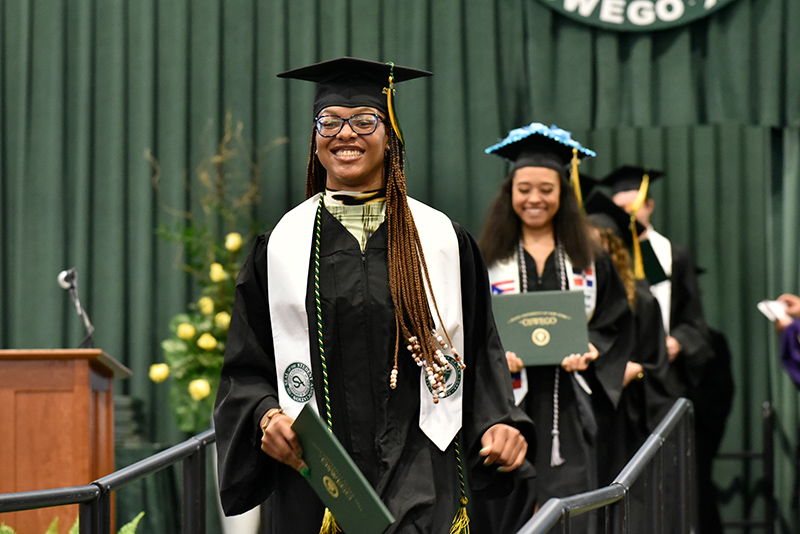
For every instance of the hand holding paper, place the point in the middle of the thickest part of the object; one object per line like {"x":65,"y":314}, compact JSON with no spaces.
{"x":792,"y":304}
{"x":773,"y":309}
{"x":280,"y":442}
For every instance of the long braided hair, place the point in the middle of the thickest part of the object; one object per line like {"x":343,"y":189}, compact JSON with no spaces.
{"x":408,"y":271}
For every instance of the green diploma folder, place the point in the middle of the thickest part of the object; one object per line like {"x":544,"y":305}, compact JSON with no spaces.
{"x":336,"y":479}
{"x":542,"y":327}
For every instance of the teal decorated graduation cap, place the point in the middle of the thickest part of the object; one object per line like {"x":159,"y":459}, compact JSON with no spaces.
{"x":354,"y":82}
{"x":536,"y":145}
{"x":603,"y":213}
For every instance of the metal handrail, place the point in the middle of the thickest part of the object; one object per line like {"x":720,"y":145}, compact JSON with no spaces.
{"x":615,"y":496}
{"x":95,"y":502}
{"x":95,"y":498}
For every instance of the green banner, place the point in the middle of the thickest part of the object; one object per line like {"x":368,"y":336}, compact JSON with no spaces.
{"x":635,"y":15}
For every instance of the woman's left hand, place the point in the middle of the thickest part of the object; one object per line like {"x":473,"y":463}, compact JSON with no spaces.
{"x":580,"y":362}
{"x":503,"y":445}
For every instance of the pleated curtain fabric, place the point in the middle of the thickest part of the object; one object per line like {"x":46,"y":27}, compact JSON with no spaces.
{"x":94,"y":93}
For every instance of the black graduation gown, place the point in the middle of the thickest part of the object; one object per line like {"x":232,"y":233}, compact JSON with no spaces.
{"x":643,"y":402}
{"x":610,"y":331}
{"x":688,"y":326}
{"x":378,"y":426}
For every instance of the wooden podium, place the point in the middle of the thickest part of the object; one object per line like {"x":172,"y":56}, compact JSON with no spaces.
{"x":56,"y":426}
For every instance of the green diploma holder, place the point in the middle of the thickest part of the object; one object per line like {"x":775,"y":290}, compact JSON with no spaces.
{"x":542,"y":327}
{"x":336,"y":479}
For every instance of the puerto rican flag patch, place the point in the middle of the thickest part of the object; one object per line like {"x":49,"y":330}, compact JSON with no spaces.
{"x":503,"y":287}
{"x":516,"y":380}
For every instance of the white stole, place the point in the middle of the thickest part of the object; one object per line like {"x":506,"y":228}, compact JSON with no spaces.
{"x":291,"y":239}
{"x":504,"y":279}
{"x":662,"y":291}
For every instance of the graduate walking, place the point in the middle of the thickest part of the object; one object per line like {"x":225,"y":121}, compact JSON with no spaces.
{"x":535,"y":238}
{"x":373,"y":308}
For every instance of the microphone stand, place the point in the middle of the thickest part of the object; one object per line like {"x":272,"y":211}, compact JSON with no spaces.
{"x":69,"y":281}
{"x":88,"y":340}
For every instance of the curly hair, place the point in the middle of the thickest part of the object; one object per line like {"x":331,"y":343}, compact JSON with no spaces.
{"x":502,"y":228}
{"x":622,"y":260}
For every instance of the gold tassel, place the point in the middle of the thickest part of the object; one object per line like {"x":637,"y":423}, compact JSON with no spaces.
{"x":389,"y":92}
{"x":574,"y":179}
{"x":638,"y":264}
{"x":329,"y":525}
{"x":461,"y":521}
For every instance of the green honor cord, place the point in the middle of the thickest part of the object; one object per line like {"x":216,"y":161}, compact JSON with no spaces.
{"x":329,"y":525}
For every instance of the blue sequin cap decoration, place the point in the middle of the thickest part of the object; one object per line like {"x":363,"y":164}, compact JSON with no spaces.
{"x":539,"y":137}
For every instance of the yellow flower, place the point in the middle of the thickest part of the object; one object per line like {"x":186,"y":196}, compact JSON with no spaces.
{"x":199,"y":389}
{"x":206,"y":305}
{"x":159,"y":372}
{"x":233,"y":241}
{"x":207,"y":342}
{"x":217,"y":272}
{"x":185,"y":331}
{"x":222,"y":320}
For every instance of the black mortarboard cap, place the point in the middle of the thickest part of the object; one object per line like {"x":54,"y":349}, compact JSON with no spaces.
{"x":603,"y":213}
{"x":536,"y":145}
{"x":588,"y":184}
{"x":629,"y":178}
{"x":353,"y":82}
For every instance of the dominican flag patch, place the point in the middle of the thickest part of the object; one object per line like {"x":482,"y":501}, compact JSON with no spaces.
{"x":583,"y":278}
{"x":503,"y":287}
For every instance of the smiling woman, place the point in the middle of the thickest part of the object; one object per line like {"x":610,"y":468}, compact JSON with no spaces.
{"x":535,"y":239}
{"x":359,"y":303}
{"x":351,"y":145}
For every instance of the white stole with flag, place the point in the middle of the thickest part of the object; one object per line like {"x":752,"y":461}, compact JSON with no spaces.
{"x":504,"y":279}
{"x":291,"y":239}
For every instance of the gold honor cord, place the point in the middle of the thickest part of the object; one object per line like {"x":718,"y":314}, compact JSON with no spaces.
{"x":574,"y":179}
{"x":390,"y":104}
{"x":638,"y":264}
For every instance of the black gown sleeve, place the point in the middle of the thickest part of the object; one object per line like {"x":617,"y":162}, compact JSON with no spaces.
{"x":610,"y":331}
{"x":488,"y":393}
{"x":247,"y":390}
{"x":687,"y":321}
{"x":651,"y":354}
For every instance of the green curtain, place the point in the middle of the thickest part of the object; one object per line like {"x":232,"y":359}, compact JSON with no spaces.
{"x":88,"y":88}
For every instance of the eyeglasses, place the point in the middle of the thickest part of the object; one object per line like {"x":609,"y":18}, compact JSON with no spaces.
{"x":362,"y":124}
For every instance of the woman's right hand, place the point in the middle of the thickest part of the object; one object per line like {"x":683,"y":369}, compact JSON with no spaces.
{"x":515,"y":364}
{"x":280,"y":442}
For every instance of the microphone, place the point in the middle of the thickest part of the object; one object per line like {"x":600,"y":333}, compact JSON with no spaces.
{"x":68,"y":279}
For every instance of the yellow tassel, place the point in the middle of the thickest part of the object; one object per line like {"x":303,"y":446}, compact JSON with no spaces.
{"x":329,"y":525}
{"x":392,"y":116}
{"x":638,"y":264}
{"x":574,"y":179}
{"x":461,"y":521}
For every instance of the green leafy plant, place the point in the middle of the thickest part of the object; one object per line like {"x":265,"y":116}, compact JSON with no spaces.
{"x":212,"y":253}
